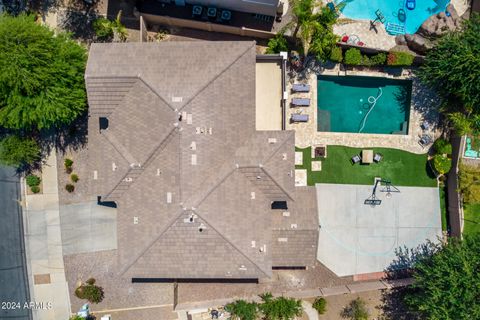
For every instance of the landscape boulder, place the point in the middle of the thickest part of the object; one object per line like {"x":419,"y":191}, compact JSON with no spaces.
{"x":439,"y":24}
{"x":417,"y":43}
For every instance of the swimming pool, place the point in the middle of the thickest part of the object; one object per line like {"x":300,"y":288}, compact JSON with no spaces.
{"x":363,"y":104}
{"x":365,"y":9}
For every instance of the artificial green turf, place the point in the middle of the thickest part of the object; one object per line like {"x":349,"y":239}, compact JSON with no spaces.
{"x":400,"y":167}
{"x":471,"y":219}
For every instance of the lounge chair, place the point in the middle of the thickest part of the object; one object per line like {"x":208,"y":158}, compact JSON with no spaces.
{"x":425,"y":126}
{"x":305,"y":102}
{"x":297,"y":117}
{"x":356,"y":159}
{"x":425,"y":140}
{"x":377,"y":157}
{"x":300,"y":87}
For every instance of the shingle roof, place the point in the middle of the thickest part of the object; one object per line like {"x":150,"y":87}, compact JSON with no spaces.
{"x":192,"y":178}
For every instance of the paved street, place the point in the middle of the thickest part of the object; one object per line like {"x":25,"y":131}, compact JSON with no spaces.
{"x":13,"y":274}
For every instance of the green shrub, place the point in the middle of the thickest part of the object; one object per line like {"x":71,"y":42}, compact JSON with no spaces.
{"x":243,"y":310}
{"x":68,"y":163}
{"x":280,"y":307}
{"x":320,"y":304}
{"x":356,"y":310}
{"x":336,"y":55}
{"x":90,"y":292}
{"x":277,"y":44}
{"x":74,"y":178}
{"x":442,"y":164}
{"x":397,"y":58}
{"x":35,"y":189}
{"x":103,"y":28}
{"x":33,"y":180}
{"x":70,"y":188}
{"x":378,"y":59}
{"x":353,"y":57}
{"x":442,"y":146}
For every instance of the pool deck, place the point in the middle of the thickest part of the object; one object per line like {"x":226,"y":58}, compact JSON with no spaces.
{"x":306,"y":134}
{"x":381,"y":40}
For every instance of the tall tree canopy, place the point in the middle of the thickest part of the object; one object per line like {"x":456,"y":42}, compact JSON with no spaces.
{"x":314,"y":28}
{"x":452,"y":67}
{"x":447,"y":283}
{"x":41,"y":75}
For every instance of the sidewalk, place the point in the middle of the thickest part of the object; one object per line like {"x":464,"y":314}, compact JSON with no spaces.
{"x":44,"y":248}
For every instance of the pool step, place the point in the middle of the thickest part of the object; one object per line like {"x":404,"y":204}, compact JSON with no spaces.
{"x":394,"y":28}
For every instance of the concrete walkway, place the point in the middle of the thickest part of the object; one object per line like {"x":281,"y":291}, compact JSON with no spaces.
{"x":43,"y":244}
{"x":308,"y":309}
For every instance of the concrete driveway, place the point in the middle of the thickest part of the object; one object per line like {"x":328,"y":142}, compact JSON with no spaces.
{"x":88,"y":227}
{"x":13,"y":273}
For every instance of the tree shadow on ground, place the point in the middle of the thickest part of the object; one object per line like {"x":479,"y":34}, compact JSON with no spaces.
{"x":393,"y":300}
{"x":78,"y":23}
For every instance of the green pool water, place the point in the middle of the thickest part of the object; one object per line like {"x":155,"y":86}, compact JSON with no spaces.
{"x":343,"y":104}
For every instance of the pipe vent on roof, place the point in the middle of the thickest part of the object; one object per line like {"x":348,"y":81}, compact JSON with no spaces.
{"x":169,"y":197}
{"x":159,"y":172}
{"x":128,"y":179}
{"x":272,"y":140}
{"x":135,"y":220}
{"x":293,"y":226}
{"x":201,"y":227}
{"x":284,"y":156}
{"x":114,"y":166}
{"x":194,"y":159}
{"x":253,"y":244}
{"x":193,"y":146}
{"x":95,"y":174}
{"x":252,"y":195}
{"x":263,"y":248}
{"x":242,"y":268}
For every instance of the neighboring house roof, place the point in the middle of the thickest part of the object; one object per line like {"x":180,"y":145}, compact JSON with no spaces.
{"x":192,"y":178}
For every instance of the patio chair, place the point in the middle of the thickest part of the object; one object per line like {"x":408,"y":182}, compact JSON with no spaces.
{"x":301,"y":102}
{"x":425,"y":126}
{"x":356,"y":159}
{"x":425,"y":140}
{"x":377,"y":157}
{"x":300,"y":87}
{"x":297,"y":117}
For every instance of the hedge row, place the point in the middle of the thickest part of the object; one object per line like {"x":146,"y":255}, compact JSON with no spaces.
{"x":354,"y":57}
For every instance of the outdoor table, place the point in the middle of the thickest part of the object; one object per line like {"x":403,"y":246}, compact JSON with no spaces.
{"x":367,"y":156}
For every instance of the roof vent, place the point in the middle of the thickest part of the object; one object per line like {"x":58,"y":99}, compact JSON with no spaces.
{"x":135,"y":220}
{"x":293,"y":226}
{"x":184,"y":115}
{"x":201,"y":228}
{"x":282,"y":239}
{"x":252,"y":195}
{"x":103,"y":123}
{"x":159,"y":172}
{"x":177,"y":99}
{"x":169,"y":197}
{"x":284,"y":156}
{"x":286,"y":214}
{"x":259,"y":177}
{"x":194,"y":159}
{"x":189,"y":118}
{"x":95,"y":174}
{"x":242,"y":268}
{"x":263,"y":248}
{"x":272,"y":140}
{"x":210,"y":130}
{"x":114,"y":166}
{"x":253,"y":244}
{"x":128,"y":179}
{"x":193,"y":146}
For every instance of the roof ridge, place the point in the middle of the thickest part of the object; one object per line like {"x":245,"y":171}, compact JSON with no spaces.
{"x":277,"y":184}
{"x":232,"y":244}
{"x":217,"y":76}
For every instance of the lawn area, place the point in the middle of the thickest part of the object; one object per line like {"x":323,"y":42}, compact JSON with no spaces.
{"x":400,"y":167}
{"x":471,"y":219}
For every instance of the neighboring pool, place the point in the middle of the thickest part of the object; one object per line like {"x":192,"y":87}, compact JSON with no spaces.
{"x":343,"y":104}
{"x":365,"y":9}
